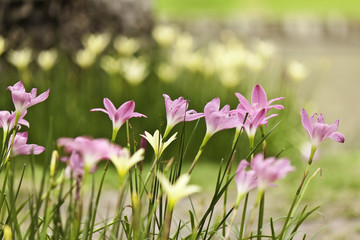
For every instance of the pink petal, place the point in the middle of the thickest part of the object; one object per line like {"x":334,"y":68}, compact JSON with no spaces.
{"x":281,"y":107}
{"x":193,"y":115}
{"x":19,"y":86}
{"x":244,"y":102}
{"x":135,"y":114}
{"x":109,"y":106}
{"x":305,"y":121}
{"x":275,"y":99}
{"x":258,"y":96}
{"x":260,"y":116}
{"x":211,"y":107}
{"x":124,"y":112}
{"x":99,"y":110}
{"x":337,"y":137}
{"x":40,"y":98}
{"x":320,"y":119}
{"x":331,"y":129}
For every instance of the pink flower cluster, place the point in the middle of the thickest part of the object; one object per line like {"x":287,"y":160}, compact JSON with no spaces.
{"x":13,"y":120}
{"x":219,"y":119}
{"x":262,"y":174}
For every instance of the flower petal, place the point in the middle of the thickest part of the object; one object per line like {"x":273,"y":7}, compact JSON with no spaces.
{"x":337,"y":137}
{"x":109,"y":106}
{"x":306,"y":122}
{"x":244,"y":102}
{"x":258,"y":97}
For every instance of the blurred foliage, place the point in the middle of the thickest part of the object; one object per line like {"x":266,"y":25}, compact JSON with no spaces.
{"x":272,"y":9}
{"x":173,"y":62}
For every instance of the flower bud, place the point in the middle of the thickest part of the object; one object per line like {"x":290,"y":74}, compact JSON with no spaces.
{"x":54,"y":158}
{"x":7,"y":232}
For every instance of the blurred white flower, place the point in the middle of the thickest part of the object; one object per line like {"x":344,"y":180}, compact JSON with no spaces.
{"x":254,"y":62}
{"x":166,"y":72}
{"x":20,"y":58}
{"x":194,"y":62}
{"x":229,"y":77}
{"x":46,"y":59}
{"x":110,"y":64}
{"x":135,"y":70}
{"x":96,"y":43}
{"x":265,"y":48}
{"x":164,"y":35}
{"x":84,"y":58}
{"x":126,"y":46}
{"x":2,"y":45}
{"x":297,"y":71}
{"x":184,"y":42}
{"x":227,"y":56}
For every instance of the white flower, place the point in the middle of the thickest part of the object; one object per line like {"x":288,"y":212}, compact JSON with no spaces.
{"x":254,"y":62}
{"x":297,"y":71}
{"x":2,"y":45}
{"x":126,"y":46}
{"x":157,"y":143}
{"x":110,"y":64}
{"x":179,"y":189}
{"x":164,"y":35}
{"x":166,"y":72}
{"x":184,"y":42}
{"x":20,"y":58}
{"x":135,"y":70}
{"x":84,"y":58}
{"x":46,"y":59}
{"x":123,"y":161}
{"x":96,"y":43}
{"x":265,"y":48}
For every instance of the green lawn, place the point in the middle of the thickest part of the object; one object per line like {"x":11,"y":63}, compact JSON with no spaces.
{"x":273,"y":9}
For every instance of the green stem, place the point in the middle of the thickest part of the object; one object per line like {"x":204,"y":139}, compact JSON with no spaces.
{"x":236,"y":136}
{"x":128,"y":134}
{"x":98,"y":199}
{"x":242,"y":226}
{"x":166,"y":231}
{"x":303,"y":191}
{"x":201,"y":148}
{"x":252,"y":216}
{"x":114,"y":134}
{"x":117,"y":218}
{"x":167,"y":131}
{"x":298,"y":191}
{"x":240,"y":197}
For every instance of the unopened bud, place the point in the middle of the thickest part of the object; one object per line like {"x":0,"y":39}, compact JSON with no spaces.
{"x":54,"y":158}
{"x":7,"y":233}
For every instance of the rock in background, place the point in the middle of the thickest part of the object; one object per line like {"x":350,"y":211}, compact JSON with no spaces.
{"x":45,"y":23}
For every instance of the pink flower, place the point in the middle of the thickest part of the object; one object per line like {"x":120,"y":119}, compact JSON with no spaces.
{"x":268,"y":170}
{"x":176,"y":111}
{"x":75,"y":169}
{"x":217,"y":120}
{"x":21,"y":148}
{"x":318,"y":130}
{"x":245,"y":180}
{"x":23,"y":100}
{"x":91,"y":151}
{"x":7,"y":120}
{"x":252,"y":122}
{"x":258,"y":101}
{"x":121,"y":115}
{"x":76,"y":165}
